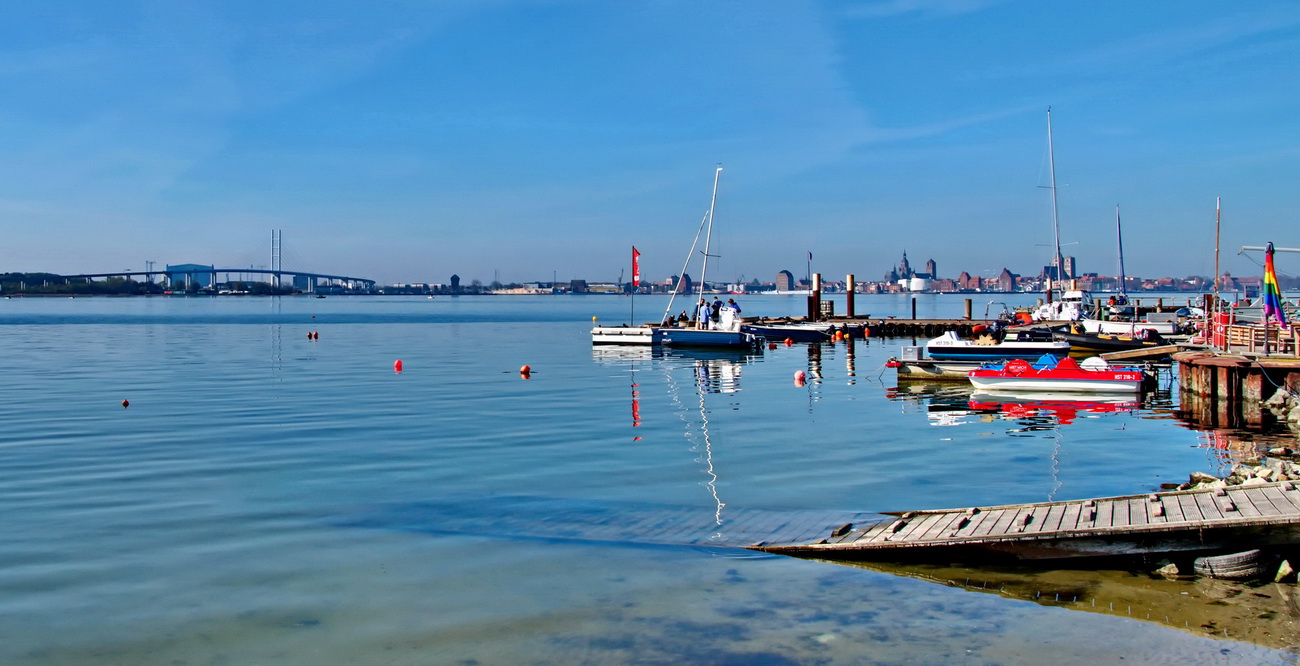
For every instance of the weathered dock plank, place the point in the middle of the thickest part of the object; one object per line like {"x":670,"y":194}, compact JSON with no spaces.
{"x":1170,"y":521}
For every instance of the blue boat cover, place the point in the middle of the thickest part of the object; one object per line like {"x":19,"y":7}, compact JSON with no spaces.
{"x":1046,"y":361}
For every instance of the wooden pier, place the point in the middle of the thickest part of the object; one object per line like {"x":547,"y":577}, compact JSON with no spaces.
{"x":1165,"y":523}
{"x":1224,"y":390}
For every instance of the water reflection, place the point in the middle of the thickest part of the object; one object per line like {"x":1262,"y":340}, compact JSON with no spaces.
{"x":712,"y":372}
{"x":1265,"y":614}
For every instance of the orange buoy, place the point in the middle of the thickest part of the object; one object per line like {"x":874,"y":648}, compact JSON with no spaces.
{"x":397,"y":365}
{"x":525,"y":370}
{"x":800,"y":377}
{"x":788,"y":342}
{"x":126,"y":403}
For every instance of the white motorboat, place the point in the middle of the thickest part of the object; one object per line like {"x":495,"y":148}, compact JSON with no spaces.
{"x":949,"y":347}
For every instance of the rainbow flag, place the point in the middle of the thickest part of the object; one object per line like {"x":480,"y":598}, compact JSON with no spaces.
{"x":1272,"y":293}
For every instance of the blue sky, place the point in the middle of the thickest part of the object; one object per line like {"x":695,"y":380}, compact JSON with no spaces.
{"x":524,"y":139}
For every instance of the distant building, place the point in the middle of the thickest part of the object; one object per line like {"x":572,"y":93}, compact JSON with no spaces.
{"x":455,"y":284}
{"x":909,"y":279}
{"x":784,"y":281}
{"x":681,"y":284}
{"x":181,"y":276}
{"x":1006,"y":281}
{"x":1067,"y":271}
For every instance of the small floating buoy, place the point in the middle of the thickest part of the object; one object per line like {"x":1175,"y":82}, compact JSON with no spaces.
{"x":397,"y":365}
{"x":593,"y":320}
{"x":308,"y":335}
{"x":315,"y":335}
{"x":523,"y":370}
{"x":788,"y":342}
{"x":799,"y":377}
{"x":126,"y":403}
{"x":771,"y":345}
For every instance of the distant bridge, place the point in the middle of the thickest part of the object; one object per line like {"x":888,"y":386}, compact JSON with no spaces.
{"x":183,"y":276}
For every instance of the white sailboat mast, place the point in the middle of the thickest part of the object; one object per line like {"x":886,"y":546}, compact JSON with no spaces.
{"x":1119,"y":233}
{"x":708,"y":235}
{"x":1056,"y":221}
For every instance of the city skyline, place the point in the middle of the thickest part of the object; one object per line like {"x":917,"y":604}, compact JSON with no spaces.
{"x":525,"y":139}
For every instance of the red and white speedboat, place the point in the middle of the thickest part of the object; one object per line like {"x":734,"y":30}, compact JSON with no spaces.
{"x":1094,"y":376}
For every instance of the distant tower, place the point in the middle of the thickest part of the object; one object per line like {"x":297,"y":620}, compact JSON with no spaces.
{"x":455,"y":284}
{"x":682,"y":284}
{"x":932,"y":269}
{"x":904,"y":268}
{"x":1068,"y":269}
{"x":784,"y":281}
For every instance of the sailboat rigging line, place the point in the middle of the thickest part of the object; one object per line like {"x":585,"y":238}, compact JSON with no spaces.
{"x":673,"y":296}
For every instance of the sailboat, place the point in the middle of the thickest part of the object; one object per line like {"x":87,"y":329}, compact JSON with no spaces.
{"x":1121,"y":316}
{"x":722,"y":333}
{"x":1074,"y":304}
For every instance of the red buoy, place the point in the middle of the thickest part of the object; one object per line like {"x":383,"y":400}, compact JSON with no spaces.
{"x":126,"y":403}
{"x":397,"y":365}
{"x":789,"y":342}
{"x":799,"y":378}
{"x":525,"y":370}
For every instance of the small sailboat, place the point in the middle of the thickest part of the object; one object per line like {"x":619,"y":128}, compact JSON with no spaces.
{"x":705,"y":332}
{"x":1122,"y":317}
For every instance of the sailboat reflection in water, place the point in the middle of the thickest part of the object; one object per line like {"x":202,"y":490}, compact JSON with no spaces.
{"x":711,"y":375}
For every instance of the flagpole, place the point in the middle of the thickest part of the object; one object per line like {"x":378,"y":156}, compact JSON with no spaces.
{"x":1217,"y":309}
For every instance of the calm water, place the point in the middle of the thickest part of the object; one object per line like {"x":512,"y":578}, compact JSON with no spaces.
{"x":267,"y":498}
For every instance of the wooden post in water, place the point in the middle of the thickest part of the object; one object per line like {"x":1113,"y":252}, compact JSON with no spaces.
{"x":815,"y":298}
{"x":913,"y":307}
{"x":850,"y":287}
{"x":968,"y":310}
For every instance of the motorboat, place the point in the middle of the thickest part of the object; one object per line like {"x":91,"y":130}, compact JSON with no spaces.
{"x":1048,"y":373}
{"x":796,"y":331}
{"x":1021,"y":344}
{"x":1100,"y":343}
{"x":1074,"y":304}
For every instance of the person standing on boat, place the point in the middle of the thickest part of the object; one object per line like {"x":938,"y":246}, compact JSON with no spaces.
{"x":717,"y":307}
{"x":704,"y":314}
{"x":731,"y":303}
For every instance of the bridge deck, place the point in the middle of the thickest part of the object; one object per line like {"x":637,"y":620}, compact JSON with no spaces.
{"x":1129,"y":525}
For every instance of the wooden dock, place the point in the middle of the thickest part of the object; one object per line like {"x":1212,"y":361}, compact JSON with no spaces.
{"x":1188,"y":521}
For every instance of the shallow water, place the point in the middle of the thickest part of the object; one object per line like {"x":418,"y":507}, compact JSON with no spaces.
{"x":267,"y":498}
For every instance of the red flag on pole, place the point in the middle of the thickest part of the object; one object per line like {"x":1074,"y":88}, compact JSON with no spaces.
{"x":636,"y":267}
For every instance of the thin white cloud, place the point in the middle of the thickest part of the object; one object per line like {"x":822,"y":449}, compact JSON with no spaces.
{"x":925,"y":8}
